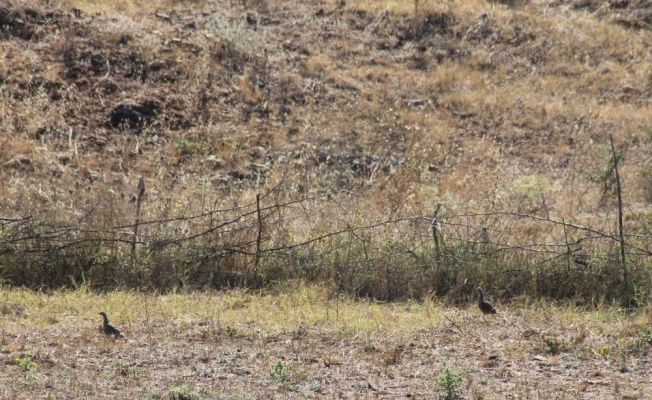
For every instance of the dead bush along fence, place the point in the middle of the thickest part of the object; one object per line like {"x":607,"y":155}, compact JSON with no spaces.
{"x":321,"y":239}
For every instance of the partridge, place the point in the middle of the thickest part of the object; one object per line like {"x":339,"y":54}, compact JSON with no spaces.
{"x":107,"y":328}
{"x":483,"y":305}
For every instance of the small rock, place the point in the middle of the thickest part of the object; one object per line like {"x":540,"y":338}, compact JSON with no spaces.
{"x":217,"y":161}
{"x":163,"y":16}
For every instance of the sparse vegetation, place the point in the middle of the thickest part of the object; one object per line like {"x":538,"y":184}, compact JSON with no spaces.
{"x":178,"y":347}
{"x":280,"y":372}
{"x":450,"y":382}
{"x":647,"y":335}
{"x":180,"y":391}
{"x":26,"y":365}
{"x":645,"y":175}
{"x":527,"y":194}
{"x":186,"y":147}
{"x":555,"y":346}
{"x":370,"y":348}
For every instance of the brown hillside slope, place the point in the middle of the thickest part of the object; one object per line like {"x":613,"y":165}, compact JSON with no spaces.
{"x":479,"y":106}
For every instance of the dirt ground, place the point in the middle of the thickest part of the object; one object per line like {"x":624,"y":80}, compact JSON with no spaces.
{"x":223,"y":346}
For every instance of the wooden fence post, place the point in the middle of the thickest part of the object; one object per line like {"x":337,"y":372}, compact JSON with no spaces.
{"x":620,"y":216}
{"x":139,"y":198}
{"x":260,"y":229}
{"x":435,"y":235}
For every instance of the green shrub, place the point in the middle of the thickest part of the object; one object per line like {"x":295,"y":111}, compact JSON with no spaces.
{"x":26,"y":364}
{"x":647,"y":335}
{"x":182,"y":392}
{"x":645,"y":176}
{"x":280,"y":372}
{"x":186,"y":147}
{"x":450,"y":382}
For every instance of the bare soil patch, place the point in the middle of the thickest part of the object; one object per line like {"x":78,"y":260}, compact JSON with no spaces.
{"x":222,"y":345}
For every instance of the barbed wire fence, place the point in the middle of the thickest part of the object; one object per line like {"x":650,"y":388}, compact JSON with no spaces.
{"x":322,"y":238}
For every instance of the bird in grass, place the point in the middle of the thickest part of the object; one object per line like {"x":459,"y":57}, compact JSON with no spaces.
{"x":485,"y":307}
{"x":109,"y":329}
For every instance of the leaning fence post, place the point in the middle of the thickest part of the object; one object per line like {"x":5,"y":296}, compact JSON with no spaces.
{"x":139,"y":198}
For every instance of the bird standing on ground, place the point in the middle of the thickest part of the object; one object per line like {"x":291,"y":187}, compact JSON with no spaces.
{"x":485,"y":307}
{"x":107,"y":328}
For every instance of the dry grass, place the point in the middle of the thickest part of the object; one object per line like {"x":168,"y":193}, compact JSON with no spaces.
{"x":390,"y":107}
{"x":222,"y":344}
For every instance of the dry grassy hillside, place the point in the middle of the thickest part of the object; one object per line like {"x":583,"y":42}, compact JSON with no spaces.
{"x":351,"y":120}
